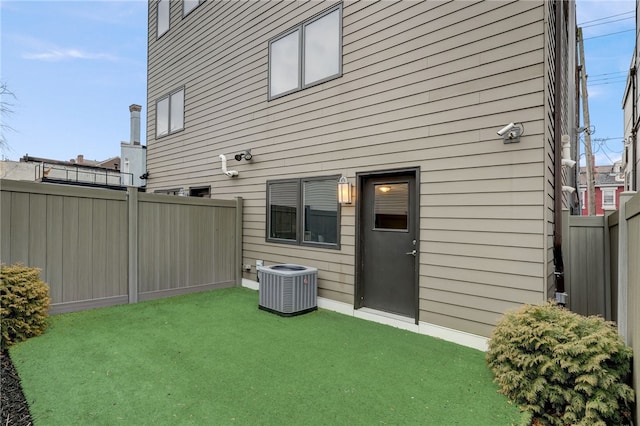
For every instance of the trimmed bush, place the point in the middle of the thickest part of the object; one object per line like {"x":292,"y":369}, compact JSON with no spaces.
{"x":24,"y":300}
{"x":562,"y":367}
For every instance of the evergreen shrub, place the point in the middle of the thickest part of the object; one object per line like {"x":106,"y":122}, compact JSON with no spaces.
{"x":563,"y":368}
{"x":24,"y":300}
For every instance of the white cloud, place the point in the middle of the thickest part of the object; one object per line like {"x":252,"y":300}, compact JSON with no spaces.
{"x":60,"y":54}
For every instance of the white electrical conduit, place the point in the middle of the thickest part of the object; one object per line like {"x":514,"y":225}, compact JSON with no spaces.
{"x":230,"y":173}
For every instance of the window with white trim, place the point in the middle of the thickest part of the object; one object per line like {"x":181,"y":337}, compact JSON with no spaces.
{"x":170,"y":113}
{"x":608,"y":198}
{"x":583,"y":198}
{"x":189,"y":5}
{"x":163,"y":17}
{"x":303,"y":211}
{"x":306,"y":55}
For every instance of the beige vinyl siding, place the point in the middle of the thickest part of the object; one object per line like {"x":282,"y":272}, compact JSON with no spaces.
{"x":425,"y":84}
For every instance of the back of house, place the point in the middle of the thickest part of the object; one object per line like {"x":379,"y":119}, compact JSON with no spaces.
{"x":448,"y":224}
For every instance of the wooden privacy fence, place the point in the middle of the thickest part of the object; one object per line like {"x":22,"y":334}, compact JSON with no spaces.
{"x":602,"y":270}
{"x":99,"y":247}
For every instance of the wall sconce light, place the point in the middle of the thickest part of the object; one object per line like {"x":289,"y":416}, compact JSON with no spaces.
{"x":344,"y":191}
{"x":246,"y":155}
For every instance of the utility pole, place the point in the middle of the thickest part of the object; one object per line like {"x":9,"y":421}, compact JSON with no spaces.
{"x":591,"y":191}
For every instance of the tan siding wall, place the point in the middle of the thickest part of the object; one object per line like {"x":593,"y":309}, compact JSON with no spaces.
{"x":425,"y":84}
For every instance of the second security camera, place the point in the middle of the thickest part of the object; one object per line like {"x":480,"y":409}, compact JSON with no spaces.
{"x":505,"y":129}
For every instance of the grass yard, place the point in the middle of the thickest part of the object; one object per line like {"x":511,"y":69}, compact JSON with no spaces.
{"x":215,"y":358}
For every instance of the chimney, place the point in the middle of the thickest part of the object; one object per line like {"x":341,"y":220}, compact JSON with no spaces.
{"x":135,"y":124}
{"x":80,"y":159}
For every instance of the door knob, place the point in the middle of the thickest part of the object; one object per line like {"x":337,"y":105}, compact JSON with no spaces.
{"x":412,"y":252}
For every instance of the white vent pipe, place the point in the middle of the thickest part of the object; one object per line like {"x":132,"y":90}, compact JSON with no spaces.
{"x":230,"y":173}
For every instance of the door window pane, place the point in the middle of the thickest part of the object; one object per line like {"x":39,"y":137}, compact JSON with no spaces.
{"x":391,"y":206}
{"x":322,"y":48}
{"x":320,"y":211}
{"x":284,"y":63}
{"x":283,"y":203}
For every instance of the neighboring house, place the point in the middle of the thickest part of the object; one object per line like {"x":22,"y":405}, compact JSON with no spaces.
{"x":130,"y":169}
{"x":78,"y":171}
{"x":450,"y":224}
{"x":134,"y":155}
{"x":609,"y":183}
{"x":631,"y":152}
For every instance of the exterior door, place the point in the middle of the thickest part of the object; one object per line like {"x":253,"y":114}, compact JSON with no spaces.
{"x":388,"y":243}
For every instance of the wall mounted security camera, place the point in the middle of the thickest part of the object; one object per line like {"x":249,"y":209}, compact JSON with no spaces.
{"x":246,"y":155}
{"x":511,"y":132}
{"x":505,"y":129}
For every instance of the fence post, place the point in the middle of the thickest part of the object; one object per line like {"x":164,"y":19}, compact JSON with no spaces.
{"x":238,"y":242}
{"x":132,"y":232}
{"x":566,"y":255}
{"x":607,"y":266}
{"x":623,"y":260}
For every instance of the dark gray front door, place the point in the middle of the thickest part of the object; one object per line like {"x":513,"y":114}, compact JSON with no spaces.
{"x":388,"y":234}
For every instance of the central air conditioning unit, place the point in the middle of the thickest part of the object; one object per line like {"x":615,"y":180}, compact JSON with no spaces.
{"x":287,"y":289}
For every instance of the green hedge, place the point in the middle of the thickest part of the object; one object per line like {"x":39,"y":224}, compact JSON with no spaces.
{"x":24,"y":300}
{"x":562,"y":367}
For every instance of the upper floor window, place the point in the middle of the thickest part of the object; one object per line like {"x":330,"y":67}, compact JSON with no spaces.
{"x":170,"y":113}
{"x":189,"y":5}
{"x":303,"y":211}
{"x":163,"y":17}
{"x":609,"y":198}
{"x":306,"y":55}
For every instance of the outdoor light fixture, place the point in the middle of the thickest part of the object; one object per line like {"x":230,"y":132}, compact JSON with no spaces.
{"x":246,"y":155}
{"x":344,"y":191}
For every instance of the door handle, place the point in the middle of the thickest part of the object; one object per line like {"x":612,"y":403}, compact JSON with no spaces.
{"x":412,"y":252}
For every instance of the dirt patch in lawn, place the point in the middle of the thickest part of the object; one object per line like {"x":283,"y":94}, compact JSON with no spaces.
{"x":15,"y":409}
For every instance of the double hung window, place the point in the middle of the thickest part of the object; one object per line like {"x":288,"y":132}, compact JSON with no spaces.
{"x":163,"y":17}
{"x":189,"y":5}
{"x":308,"y":54}
{"x":170,"y":113}
{"x":303,"y":211}
{"x":609,"y":198}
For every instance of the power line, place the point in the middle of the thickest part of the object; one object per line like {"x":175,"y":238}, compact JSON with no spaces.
{"x":608,"y":22}
{"x":609,"y":34}
{"x":617,"y":77}
{"x":606,"y":17}
{"x":612,"y":82}
{"x":607,"y":80}
{"x":609,"y":73}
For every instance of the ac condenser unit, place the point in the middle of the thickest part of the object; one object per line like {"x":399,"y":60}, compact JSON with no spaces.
{"x":287,"y":289}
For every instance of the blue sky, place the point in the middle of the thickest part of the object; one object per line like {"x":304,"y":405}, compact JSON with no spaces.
{"x":76,"y":66}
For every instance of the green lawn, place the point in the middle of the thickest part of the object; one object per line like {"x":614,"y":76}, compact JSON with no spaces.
{"x":215,"y":358}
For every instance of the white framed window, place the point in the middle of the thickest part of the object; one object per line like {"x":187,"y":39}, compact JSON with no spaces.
{"x":170,"y":113}
{"x":189,"y":5}
{"x":583,"y":198}
{"x":306,"y":55}
{"x":608,"y":198}
{"x":303,"y":211}
{"x":163,"y":17}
